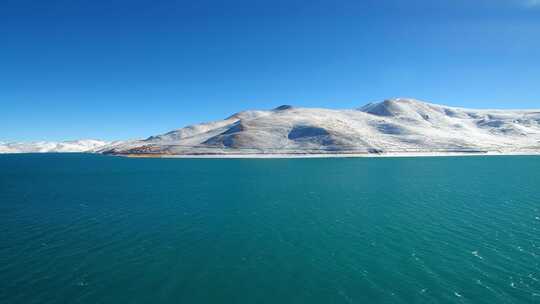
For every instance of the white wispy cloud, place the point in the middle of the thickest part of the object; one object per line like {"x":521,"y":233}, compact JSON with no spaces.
{"x":532,"y":3}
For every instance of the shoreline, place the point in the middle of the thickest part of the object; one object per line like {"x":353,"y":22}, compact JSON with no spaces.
{"x":328,"y":155}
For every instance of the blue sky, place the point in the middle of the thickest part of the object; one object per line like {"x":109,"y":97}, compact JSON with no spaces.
{"x":126,"y":69}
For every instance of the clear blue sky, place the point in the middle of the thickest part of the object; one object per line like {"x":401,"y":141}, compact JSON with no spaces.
{"x":125,"y":69}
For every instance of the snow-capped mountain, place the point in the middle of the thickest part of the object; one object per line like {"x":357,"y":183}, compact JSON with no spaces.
{"x":395,"y":125}
{"x":84,"y":145}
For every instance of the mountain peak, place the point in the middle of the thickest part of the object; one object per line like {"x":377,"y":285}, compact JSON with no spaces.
{"x":283,"y":108}
{"x":391,"y":107}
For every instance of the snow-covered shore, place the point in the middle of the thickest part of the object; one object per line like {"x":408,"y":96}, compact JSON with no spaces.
{"x":331,"y":155}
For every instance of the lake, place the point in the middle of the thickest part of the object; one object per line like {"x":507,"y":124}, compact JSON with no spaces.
{"x":82,"y":228}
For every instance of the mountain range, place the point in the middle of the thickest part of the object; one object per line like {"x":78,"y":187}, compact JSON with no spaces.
{"x":83,"y":145}
{"x":399,"y":125}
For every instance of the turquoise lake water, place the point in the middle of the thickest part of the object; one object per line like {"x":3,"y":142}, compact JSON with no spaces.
{"x":78,"y":228}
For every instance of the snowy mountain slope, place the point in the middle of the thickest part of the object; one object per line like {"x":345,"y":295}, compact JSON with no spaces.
{"x":85,"y":145}
{"x":395,"y":125}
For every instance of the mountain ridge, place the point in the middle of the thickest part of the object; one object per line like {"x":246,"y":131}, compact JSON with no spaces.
{"x":393,"y":125}
{"x":67,"y":146}
{"x":398,"y":125}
